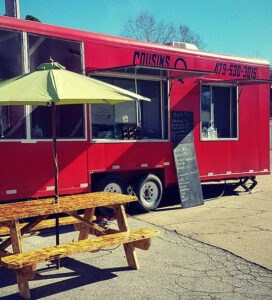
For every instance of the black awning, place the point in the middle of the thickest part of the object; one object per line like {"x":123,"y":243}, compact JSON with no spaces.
{"x":153,"y":71}
{"x":237,"y":82}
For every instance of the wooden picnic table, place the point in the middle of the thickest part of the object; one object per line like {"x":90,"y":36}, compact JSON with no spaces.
{"x":24,"y":263}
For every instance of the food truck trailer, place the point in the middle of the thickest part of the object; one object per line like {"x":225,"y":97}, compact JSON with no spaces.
{"x":128,"y":147}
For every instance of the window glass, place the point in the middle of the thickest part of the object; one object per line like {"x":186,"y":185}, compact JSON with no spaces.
{"x":12,"y":118}
{"x":12,"y":122}
{"x":130,"y":70}
{"x":70,"y":118}
{"x":69,"y":122}
{"x":42,"y":48}
{"x":222,"y":104}
{"x":132,"y":120}
{"x":218,"y":112}
{"x":234,"y":118}
{"x":147,"y":71}
{"x":205,"y":110}
{"x":150,"y":111}
{"x":117,"y":121}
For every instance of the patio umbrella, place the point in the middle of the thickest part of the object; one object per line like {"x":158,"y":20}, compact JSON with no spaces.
{"x":50,"y":85}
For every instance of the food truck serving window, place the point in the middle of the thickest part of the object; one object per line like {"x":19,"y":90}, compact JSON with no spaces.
{"x":132,"y":120}
{"x":218,"y":112}
{"x":23,"y":52}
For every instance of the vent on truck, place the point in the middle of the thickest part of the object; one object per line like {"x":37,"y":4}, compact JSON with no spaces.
{"x":182,"y":45}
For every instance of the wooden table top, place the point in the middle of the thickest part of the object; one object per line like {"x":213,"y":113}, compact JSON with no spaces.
{"x":41,"y":207}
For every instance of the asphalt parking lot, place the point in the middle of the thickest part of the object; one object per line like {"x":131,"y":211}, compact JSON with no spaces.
{"x":239,"y":223}
{"x":220,"y":250}
{"x":175,"y":267}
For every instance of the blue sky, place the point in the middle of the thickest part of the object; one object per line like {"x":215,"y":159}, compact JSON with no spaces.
{"x":236,"y":27}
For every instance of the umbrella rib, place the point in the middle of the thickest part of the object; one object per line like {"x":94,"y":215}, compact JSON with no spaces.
{"x":107,"y":102}
{"x":52,"y":76}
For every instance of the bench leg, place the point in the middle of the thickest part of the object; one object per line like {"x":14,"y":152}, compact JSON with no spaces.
{"x":30,"y":271}
{"x":131,"y":256}
{"x":21,"y":275}
{"x":129,"y":248}
{"x":23,"y":285}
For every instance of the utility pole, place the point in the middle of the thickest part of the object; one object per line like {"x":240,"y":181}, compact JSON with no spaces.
{"x":12,"y":8}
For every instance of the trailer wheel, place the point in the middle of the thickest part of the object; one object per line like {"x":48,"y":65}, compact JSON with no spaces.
{"x":111,"y":184}
{"x":149,"y":192}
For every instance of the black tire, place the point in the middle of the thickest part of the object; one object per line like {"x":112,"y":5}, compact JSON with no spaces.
{"x":149,"y":192}
{"x":112,"y":184}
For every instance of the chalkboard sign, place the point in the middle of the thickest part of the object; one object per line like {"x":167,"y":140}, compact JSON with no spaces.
{"x":188,"y":177}
{"x":185,"y":159}
{"x":182,"y":127}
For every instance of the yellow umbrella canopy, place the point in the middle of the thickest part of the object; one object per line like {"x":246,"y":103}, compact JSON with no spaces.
{"x":52,"y":83}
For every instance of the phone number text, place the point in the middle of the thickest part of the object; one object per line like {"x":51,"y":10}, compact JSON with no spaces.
{"x":235,"y":70}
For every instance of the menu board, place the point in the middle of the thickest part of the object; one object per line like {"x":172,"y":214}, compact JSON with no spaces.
{"x":182,"y":127}
{"x":185,"y":159}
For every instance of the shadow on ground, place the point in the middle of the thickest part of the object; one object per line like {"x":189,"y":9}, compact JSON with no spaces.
{"x":211,"y":191}
{"x":76,"y":278}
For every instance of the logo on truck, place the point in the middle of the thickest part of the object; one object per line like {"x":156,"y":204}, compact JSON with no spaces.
{"x":180,"y":63}
{"x":157,"y":60}
{"x":151,"y":59}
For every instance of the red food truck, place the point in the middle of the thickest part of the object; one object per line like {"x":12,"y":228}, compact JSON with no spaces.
{"x":128,"y":146}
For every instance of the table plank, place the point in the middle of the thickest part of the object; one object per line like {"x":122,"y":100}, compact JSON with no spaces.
{"x":34,"y":208}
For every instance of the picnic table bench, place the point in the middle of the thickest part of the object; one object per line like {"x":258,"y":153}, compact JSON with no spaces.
{"x":24,"y":263}
{"x":50,"y":223}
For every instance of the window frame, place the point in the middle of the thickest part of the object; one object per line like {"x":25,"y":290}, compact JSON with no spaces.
{"x":138,"y":108}
{"x":230,"y":86}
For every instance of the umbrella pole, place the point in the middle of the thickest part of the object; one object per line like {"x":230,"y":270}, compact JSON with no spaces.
{"x":54,"y":140}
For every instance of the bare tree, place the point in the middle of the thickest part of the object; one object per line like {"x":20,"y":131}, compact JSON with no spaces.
{"x":188,"y":36}
{"x":145,"y":27}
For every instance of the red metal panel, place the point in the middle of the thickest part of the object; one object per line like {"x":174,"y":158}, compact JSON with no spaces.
{"x":245,"y":152}
{"x":127,"y":156}
{"x":264,"y":138}
{"x":214,"y":158}
{"x":28,"y":169}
